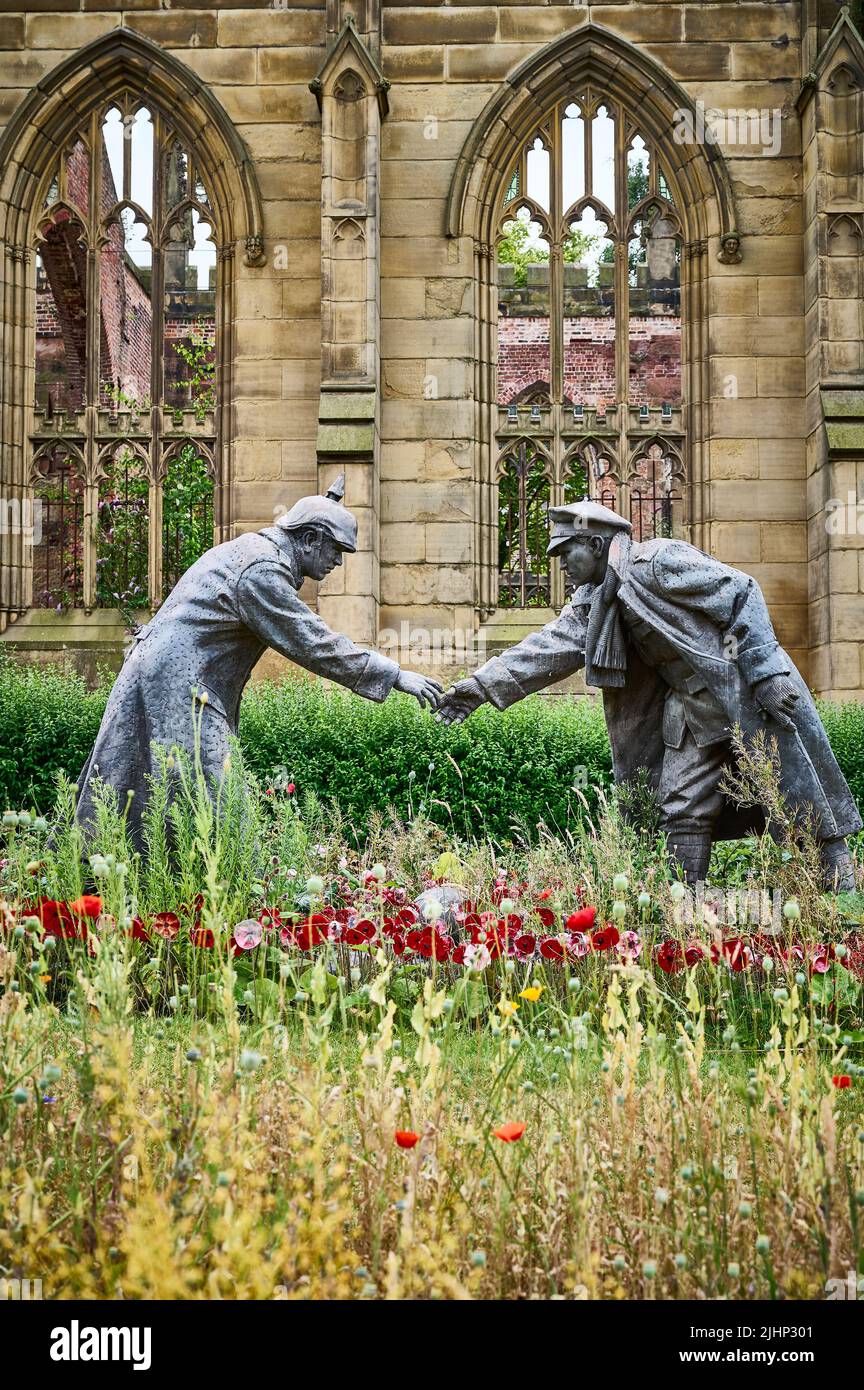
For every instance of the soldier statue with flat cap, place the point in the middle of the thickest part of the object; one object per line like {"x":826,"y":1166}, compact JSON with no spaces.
{"x":199,"y":650}
{"x":683,"y":649}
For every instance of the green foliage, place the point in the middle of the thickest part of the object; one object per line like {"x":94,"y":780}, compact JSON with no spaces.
{"x":517,"y":248}
{"x":121,"y":561}
{"x":844,"y":725}
{"x":198,"y":353}
{"x":497,"y":773}
{"x":187,"y":514}
{"x":48,"y":722}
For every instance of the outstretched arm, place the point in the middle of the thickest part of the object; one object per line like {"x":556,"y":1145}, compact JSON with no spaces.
{"x":269,"y":605}
{"x":540,"y":659}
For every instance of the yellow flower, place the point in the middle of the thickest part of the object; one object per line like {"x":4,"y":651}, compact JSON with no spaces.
{"x":508,"y":1007}
{"x":532,"y":993}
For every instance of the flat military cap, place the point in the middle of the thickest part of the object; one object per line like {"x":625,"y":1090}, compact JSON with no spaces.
{"x":326,"y":512}
{"x":580,"y":518}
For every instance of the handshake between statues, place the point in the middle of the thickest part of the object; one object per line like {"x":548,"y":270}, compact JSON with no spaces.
{"x":681,"y":646}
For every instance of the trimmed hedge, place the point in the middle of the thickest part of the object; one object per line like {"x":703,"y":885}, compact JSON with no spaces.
{"x":490,"y":774}
{"x":487,"y":774}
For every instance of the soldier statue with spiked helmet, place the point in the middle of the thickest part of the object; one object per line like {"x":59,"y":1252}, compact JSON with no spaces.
{"x":199,"y":650}
{"x":683,"y":650}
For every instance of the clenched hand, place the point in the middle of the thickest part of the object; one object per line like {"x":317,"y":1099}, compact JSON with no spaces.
{"x":778,"y":697}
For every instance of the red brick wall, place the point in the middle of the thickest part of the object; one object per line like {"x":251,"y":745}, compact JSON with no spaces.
{"x":589,"y":359}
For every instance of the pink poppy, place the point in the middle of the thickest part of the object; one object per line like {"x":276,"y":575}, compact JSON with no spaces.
{"x":248,"y":934}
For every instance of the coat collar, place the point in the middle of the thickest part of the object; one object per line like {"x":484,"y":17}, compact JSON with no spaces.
{"x":285,"y":546}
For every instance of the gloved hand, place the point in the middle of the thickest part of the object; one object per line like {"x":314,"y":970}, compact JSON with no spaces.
{"x":424,"y":690}
{"x":461,"y":700}
{"x":778,"y":697}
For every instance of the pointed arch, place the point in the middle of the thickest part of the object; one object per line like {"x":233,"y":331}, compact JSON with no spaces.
{"x":52,"y":114}
{"x":590,"y":54}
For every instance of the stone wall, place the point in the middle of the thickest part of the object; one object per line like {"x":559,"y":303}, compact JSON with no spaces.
{"x":444,"y":62}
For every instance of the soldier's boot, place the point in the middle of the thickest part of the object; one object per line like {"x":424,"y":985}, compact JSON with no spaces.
{"x":838,"y":866}
{"x":692,"y":850}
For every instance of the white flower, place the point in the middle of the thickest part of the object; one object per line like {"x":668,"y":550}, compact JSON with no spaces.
{"x":477,"y":957}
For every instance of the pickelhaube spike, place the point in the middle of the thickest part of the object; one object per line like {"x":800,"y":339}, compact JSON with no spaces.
{"x":336,"y":490}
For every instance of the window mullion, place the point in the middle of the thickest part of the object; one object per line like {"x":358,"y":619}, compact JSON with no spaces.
{"x":157,"y":365}
{"x":92,"y":372}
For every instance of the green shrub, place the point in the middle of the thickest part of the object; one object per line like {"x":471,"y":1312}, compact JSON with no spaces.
{"x":844,"y":725}
{"x":48,"y":722}
{"x":494,"y":773}
{"x":491,"y":773}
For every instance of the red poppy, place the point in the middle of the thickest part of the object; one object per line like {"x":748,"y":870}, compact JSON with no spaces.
{"x":470,"y":920}
{"x":270,"y":918}
{"x":737,"y":953}
{"x":290,"y":789}
{"x":525,"y":944}
{"x":693,"y":953}
{"x":311,"y":932}
{"x":792,"y":953}
{"x":670,"y":957}
{"x":551,"y":948}
{"x":138,"y":931}
{"x":398,"y":943}
{"x":458,"y":956}
{"x":87,"y":906}
{"x":510,"y":1132}
{"x":582,"y":920}
{"x":546,"y":915}
{"x":414,"y":940}
{"x":605,"y":938}
{"x":854,"y":957}
{"x":433,"y":943}
{"x":406,"y":1138}
{"x":166,"y":924}
{"x":57,"y":920}
{"x":407,"y":916}
{"x":842,"y":1082}
{"x":202,"y":936}
{"x":359,"y":932}
{"x":547,"y":893}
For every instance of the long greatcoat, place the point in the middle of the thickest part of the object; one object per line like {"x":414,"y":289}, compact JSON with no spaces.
{"x":233,"y":603}
{"x":717,"y":620}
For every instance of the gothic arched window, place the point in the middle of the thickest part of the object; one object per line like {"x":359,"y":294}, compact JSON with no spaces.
{"x":589,"y":364}
{"x":125,"y":360}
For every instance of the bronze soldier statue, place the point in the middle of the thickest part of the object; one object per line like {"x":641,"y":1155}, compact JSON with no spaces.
{"x":200,"y":648}
{"x":683,"y":649}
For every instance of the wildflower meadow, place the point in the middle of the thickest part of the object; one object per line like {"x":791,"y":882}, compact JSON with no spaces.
{"x":259,"y":1061}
